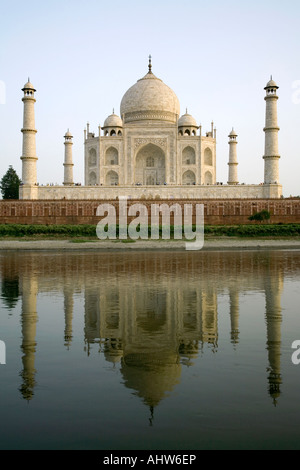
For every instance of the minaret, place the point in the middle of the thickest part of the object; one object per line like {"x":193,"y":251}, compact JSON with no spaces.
{"x":271,"y":129}
{"x":29,"y":157}
{"x":68,"y":164}
{"x":233,"y":163}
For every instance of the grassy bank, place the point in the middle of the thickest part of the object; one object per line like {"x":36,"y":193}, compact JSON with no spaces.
{"x":89,"y":231}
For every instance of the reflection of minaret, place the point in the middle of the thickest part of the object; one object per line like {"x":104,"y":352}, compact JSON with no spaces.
{"x":234,"y":314}
{"x":68,"y":309}
{"x":91,"y":318}
{"x":28,"y":320}
{"x":189,"y":321}
{"x":273,"y":289}
{"x":210,"y":317}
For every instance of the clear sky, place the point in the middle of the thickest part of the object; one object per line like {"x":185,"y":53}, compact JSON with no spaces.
{"x":217,"y":56}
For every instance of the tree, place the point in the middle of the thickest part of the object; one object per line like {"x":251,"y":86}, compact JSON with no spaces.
{"x":261,"y":216}
{"x":10,"y":184}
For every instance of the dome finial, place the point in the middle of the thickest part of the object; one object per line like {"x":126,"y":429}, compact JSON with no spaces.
{"x":150,"y":64}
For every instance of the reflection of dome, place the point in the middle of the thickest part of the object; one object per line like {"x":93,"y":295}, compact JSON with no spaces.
{"x":113,"y":350}
{"x":187,"y":121}
{"x":151,"y":99}
{"x":113,"y":121}
{"x":151,"y":374}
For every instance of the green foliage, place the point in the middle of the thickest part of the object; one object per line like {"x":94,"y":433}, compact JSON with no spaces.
{"x":261,"y":230}
{"x":89,"y":231}
{"x":260,"y":216}
{"x":9,"y":184}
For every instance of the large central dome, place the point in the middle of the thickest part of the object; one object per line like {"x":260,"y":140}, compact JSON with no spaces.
{"x":150,"y":99}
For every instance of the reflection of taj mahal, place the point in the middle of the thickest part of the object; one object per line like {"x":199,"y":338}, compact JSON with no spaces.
{"x":151,"y":315}
{"x":151,"y":151}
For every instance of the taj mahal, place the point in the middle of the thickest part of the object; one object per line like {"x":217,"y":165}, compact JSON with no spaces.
{"x":150,"y":151}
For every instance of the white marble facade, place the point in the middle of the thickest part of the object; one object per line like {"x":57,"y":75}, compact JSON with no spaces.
{"x":150,"y":144}
{"x":151,"y":150}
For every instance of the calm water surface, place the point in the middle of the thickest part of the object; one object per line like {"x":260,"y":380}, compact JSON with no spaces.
{"x":151,"y":351}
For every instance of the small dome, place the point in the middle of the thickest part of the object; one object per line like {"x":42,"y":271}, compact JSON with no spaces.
{"x":68,"y":134}
{"x":233,"y":133}
{"x":113,"y":121}
{"x":187,"y":121}
{"x":28,"y":86}
{"x":271,"y":84}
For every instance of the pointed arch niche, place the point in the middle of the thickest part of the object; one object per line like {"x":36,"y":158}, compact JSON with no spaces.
{"x":150,"y":165}
{"x":111,"y":156}
{"x":112,"y":178}
{"x":188,"y":177}
{"x":188,"y":156}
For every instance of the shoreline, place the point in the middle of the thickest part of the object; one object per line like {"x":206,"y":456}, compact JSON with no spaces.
{"x":213,"y":244}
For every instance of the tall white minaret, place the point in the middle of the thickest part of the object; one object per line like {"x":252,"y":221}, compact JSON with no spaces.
{"x":271,"y":129}
{"x":233,"y":163}
{"x":68,"y":163}
{"x":29,"y":157}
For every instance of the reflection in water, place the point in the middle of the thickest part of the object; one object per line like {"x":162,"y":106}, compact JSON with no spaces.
{"x":273,"y":290}
{"x":9,"y":283}
{"x":150,"y":313}
{"x":29,"y":320}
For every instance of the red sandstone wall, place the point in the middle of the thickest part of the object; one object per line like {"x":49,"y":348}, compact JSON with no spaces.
{"x":216,"y":212}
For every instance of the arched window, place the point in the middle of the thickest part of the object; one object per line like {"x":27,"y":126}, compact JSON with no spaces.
{"x":208,"y":158}
{"x":208,"y":178}
{"x":188,"y":156}
{"x":150,"y":162}
{"x":112,"y":178}
{"x":92,"y":157}
{"x":113,"y":133}
{"x":111,"y":156}
{"x":189,"y":177}
{"x":92,"y":178}
{"x":187,"y":132}
{"x":119,"y":133}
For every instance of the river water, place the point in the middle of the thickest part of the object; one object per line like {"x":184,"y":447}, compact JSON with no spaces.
{"x":150,"y":350}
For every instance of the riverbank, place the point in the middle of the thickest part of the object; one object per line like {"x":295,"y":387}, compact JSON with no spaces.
{"x":212,"y":244}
